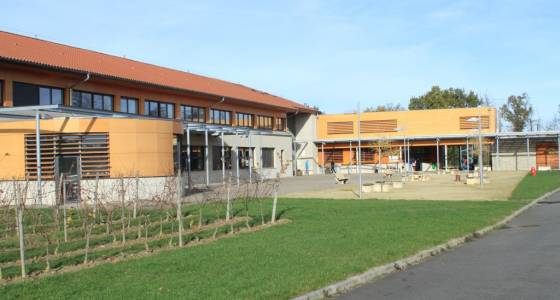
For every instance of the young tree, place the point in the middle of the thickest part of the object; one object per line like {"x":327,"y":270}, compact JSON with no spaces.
{"x":554,"y":123}
{"x":517,"y":111}
{"x":449,"y":98}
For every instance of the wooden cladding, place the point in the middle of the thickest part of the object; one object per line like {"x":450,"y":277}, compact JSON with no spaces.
{"x":547,"y":154}
{"x":464,"y":122}
{"x":340,"y":127}
{"x":91,"y":148}
{"x":378,"y":126}
{"x":333,"y":155}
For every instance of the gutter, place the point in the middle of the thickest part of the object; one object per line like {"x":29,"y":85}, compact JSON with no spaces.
{"x":88,"y":77}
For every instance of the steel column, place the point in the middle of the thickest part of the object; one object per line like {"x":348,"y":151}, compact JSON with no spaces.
{"x":468,"y":163}
{"x":400,"y":157}
{"x":351,"y":156}
{"x":359,"y":151}
{"x":250,"y":160}
{"x":223,"y":161}
{"x":206,"y":158}
{"x":323,"y":156}
{"x":237,"y":163}
{"x":497,"y":153}
{"x":445,"y":149}
{"x":189,"y":177}
{"x":437,"y":155}
{"x":38,"y":156}
{"x":480,"y":158}
{"x":528,"y":159}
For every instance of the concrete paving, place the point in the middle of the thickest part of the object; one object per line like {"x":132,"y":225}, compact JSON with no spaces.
{"x":437,"y":187}
{"x":520,"y":261}
{"x":316,"y":183}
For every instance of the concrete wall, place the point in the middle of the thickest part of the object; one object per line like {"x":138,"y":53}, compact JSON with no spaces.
{"x":513,"y":155}
{"x":108,"y":189}
{"x":304,"y":127}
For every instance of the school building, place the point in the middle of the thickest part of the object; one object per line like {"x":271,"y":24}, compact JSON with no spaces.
{"x":430,"y":140}
{"x":102,"y":116}
{"x":99,"y":116}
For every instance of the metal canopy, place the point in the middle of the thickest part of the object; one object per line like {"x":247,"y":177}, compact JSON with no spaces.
{"x":57,"y":111}
{"x":230,"y":130}
{"x":501,"y":135}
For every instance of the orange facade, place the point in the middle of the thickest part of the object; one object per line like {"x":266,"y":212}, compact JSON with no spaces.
{"x":409,"y":124}
{"x":385,"y":132}
{"x":136,"y":146}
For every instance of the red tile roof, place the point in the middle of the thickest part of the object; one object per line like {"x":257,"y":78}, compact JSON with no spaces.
{"x":25,"y":49}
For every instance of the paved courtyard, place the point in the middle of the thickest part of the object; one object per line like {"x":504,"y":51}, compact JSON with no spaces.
{"x":438,"y":187}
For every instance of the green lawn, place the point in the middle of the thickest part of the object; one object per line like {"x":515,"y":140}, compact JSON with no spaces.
{"x":532,"y":187}
{"x":327,"y":241}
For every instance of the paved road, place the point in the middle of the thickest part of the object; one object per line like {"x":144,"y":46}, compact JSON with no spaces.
{"x":521,"y":261}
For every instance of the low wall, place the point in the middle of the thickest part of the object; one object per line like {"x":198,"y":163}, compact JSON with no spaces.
{"x":108,"y":189}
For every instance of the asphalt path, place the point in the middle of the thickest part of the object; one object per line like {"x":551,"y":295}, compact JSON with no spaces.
{"x":520,"y":261}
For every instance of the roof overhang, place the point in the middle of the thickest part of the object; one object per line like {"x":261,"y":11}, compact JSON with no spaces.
{"x":500,"y":135}
{"x":296,"y":107}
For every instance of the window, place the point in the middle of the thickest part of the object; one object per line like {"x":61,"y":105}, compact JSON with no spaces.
{"x":265,"y":122}
{"x":92,"y":100}
{"x":217,"y":157}
{"x":244,"y":120}
{"x":193,"y":113}
{"x":129,"y":105}
{"x":26,"y":94}
{"x":244,"y":157}
{"x":197,"y":158}
{"x":280,"y":124}
{"x":267,"y":157}
{"x":221,"y":117}
{"x":159,"y":109}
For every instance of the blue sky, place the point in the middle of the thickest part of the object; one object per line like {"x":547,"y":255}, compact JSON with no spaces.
{"x":326,"y":53}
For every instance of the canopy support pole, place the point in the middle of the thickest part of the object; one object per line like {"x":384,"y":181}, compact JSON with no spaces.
{"x":206,"y":160}
{"x":223,"y":161}
{"x":38,"y":156}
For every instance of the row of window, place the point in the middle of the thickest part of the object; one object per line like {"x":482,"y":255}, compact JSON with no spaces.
{"x":197,"y":158}
{"x":25,"y":94}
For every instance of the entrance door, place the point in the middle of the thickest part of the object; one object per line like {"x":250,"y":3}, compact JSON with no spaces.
{"x":68,"y":169}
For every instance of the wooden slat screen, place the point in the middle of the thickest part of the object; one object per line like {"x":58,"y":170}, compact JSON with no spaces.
{"x":340,"y":127}
{"x":335,"y":155}
{"x":92,"y":148}
{"x":378,"y":126}
{"x":547,"y":154}
{"x":465,"y":124}
{"x":368,"y":155}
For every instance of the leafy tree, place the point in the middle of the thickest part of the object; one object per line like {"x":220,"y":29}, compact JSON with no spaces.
{"x":449,"y":98}
{"x":385,"y":107}
{"x":517,"y":111}
{"x":554,"y":123}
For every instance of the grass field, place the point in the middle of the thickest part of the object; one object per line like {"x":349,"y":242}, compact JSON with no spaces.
{"x":326,"y":241}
